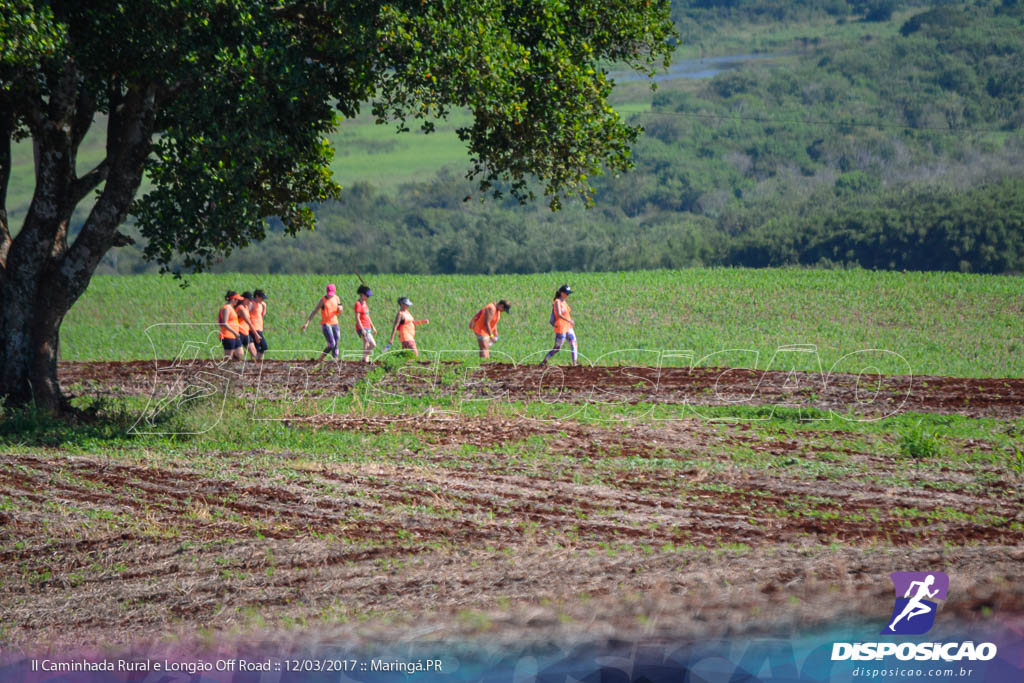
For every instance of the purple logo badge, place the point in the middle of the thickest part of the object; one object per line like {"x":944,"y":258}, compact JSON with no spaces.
{"x":915,"y":608}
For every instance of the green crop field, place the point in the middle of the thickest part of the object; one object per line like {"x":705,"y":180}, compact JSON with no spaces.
{"x":933,"y":323}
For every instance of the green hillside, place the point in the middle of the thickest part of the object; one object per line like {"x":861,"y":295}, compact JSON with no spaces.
{"x":877,"y":134}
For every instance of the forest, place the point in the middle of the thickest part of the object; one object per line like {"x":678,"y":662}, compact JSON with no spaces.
{"x":884,"y":135}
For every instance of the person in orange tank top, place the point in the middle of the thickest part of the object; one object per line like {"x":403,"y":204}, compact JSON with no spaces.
{"x":245,"y":325}
{"x":364,"y":325}
{"x":228,"y":331}
{"x":405,"y":326}
{"x":258,"y":312}
{"x":565,"y":328}
{"x":485,"y":325}
{"x":328,"y":307}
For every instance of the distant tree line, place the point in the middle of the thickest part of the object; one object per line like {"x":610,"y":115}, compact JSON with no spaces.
{"x":900,"y":153}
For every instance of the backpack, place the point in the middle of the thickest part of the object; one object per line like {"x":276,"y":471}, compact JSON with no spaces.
{"x":552,"y":319}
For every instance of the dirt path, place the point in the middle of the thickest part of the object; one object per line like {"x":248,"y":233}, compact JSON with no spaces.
{"x":859,"y":395}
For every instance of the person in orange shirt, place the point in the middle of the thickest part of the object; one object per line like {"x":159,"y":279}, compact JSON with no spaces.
{"x":227,"y":322}
{"x":364,"y":325}
{"x":561,"y":318}
{"x":245,"y":325}
{"x":258,"y":311}
{"x":328,"y":306}
{"x":485,"y":325}
{"x":405,"y":326}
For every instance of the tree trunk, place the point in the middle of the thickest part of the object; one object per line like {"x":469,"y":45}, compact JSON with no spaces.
{"x":6,"y":130}
{"x":41,"y":275}
{"x":28,"y":355}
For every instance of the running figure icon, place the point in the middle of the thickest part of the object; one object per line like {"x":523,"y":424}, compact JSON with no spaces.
{"x":915,"y":607}
{"x":914,"y":612}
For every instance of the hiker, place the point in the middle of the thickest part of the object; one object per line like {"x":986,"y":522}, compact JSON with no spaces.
{"x":227,"y":322}
{"x":405,"y":326}
{"x":485,"y":325}
{"x":246,"y":331}
{"x":258,"y":311}
{"x":364,"y":325}
{"x":561,"y":318}
{"x":328,"y":306}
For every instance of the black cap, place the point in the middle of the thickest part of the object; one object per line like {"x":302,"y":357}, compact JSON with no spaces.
{"x":565,"y":288}
{"x":404,"y":301}
{"x":507,"y":305}
{"x":246,"y":295}
{"x":260,"y":293}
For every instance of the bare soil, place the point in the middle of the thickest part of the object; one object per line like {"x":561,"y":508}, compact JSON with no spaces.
{"x":869,"y":395}
{"x":624,"y":530}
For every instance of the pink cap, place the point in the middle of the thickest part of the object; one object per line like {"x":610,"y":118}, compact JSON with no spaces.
{"x":331,"y":289}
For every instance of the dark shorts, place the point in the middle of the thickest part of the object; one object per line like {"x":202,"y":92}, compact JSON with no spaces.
{"x":231,"y":344}
{"x":260,"y":341}
{"x":244,"y":338}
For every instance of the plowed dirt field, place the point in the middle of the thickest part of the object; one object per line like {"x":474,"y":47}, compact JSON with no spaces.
{"x":871,"y":395}
{"x":510,"y":525}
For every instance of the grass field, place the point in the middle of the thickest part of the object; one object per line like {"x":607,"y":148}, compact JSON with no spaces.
{"x":934,"y":323}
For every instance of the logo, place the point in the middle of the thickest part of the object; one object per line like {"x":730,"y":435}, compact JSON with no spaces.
{"x":912,"y":615}
{"x":915,"y":607}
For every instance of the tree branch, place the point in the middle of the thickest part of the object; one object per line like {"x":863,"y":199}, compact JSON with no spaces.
{"x":129,"y":136}
{"x":122,"y":240}
{"x":64,"y":94}
{"x":85,"y":111}
{"x":43,"y":236}
{"x":87,"y":183}
{"x":114,"y":119}
{"x":6,"y":131}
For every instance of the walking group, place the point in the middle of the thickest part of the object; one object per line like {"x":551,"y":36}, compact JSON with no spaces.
{"x":241,"y":324}
{"x":329,"y":306}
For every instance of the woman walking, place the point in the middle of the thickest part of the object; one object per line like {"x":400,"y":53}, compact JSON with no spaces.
{"x":561,"y":318}
{"x":246,"y":328}
{"x":485,"y":325}
{"x":328,"y":306}
{"x":258,"y":311}
{"x":405,"y":326}
{"x":227,"y":323}
{"x":364,"y":325}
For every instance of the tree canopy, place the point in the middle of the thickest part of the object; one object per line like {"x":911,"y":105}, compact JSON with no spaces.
{"x":241,"y":93}
{"x":224,"y":105}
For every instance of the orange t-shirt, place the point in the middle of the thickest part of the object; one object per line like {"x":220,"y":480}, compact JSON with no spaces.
{"x":256,"y":315}
{"x":227,"y":321}
{"x":562,"y":326}
{"x":243,"y":327}
{"x":363,"y":310}
{"x":329,"y":313}
{"x":480,"y":324}
{"x":407,"y":327}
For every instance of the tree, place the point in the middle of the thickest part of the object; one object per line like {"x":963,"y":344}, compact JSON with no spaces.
{"x":223,"y":106}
